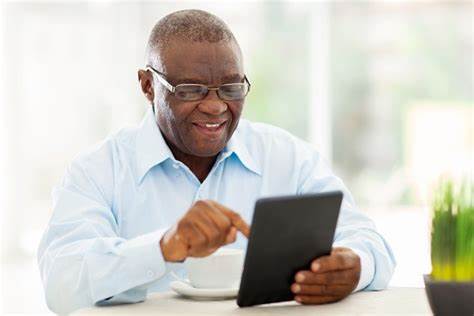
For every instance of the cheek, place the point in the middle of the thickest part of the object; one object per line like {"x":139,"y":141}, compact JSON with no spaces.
{"x":165,"y":114}
{"x":169,"y":110}
{"x":236,"y":110}
{"x":167,"y":117}
{"x":176,"y":116}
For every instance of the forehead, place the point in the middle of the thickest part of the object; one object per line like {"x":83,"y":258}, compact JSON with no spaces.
{"x":201,"y":60}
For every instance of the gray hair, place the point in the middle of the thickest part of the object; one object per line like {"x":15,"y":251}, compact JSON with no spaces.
{"x":187,"y":25}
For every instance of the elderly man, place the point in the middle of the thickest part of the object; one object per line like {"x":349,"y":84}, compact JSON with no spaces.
{"x":184,"y":183}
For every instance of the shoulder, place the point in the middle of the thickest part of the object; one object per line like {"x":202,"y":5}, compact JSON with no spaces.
{"x":272,"y":140}
{"x":97,"y":166}
{"x":112,"y":149}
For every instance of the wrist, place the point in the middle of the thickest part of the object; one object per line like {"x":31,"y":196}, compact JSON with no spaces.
{"x":171,"y":249}
{"x":164,"y":251}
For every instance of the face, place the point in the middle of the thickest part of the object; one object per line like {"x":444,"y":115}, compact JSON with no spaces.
{"x":199,"y":128}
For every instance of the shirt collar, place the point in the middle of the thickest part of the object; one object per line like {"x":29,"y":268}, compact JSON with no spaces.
{"x":237,"y":145}
{"x":152,"y":150}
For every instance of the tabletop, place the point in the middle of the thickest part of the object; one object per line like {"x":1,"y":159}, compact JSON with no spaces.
{"x":391,"y":301}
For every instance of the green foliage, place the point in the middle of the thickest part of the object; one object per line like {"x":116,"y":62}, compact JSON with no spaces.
{"x":452,"y":235}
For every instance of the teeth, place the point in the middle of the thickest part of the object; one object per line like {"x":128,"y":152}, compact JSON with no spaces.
{"x":212,"y":125}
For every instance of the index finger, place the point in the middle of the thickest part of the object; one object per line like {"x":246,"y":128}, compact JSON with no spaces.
{"x":235,"y":218}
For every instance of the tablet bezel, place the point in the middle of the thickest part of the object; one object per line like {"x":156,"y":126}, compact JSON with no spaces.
{"x":309,"y":207}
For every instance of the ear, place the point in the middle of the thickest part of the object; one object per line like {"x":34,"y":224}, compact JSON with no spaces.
{"x":146,"y":83}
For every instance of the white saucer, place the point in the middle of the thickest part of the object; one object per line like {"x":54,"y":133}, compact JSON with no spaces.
{"x":186,"y":289}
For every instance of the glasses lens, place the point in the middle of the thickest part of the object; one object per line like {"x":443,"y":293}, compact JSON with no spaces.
{"x":190,"y":92}
{"x":233,"y":91}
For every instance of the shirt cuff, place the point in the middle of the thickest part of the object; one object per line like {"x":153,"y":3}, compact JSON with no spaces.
{"x":142,"y":263}
{"x":367,"y":266}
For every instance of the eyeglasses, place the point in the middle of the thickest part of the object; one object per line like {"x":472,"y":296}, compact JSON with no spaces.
{"x":195,"y":92}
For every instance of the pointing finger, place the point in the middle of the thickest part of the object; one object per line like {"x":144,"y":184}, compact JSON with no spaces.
{"x":235,"y":218}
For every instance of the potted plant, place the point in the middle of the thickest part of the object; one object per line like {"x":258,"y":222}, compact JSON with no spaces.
{"x":450,"y":286}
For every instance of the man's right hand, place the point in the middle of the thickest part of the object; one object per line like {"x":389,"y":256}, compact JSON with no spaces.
{"x":205,"y":227}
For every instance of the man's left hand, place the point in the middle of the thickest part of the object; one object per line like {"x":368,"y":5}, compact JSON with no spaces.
{"x":330,"y":279}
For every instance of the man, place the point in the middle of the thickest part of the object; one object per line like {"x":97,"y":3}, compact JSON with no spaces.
{"x":185,"y":181}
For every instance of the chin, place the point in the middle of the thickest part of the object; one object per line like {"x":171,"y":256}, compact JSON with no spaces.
{"x":207,"y":151}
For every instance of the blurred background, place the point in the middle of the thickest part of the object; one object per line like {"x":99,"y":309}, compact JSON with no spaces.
{"x":384,"y":89}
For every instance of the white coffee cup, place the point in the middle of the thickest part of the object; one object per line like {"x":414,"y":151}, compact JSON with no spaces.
{"x":222,"y":269}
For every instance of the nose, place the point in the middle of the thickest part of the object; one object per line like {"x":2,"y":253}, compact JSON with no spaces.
{"x":212,"y":104}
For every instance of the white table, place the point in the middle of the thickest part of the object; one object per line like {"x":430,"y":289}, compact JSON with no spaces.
{"x":392,"y":301}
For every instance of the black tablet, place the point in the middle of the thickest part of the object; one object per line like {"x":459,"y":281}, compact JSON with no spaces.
{"x":287,"y":233}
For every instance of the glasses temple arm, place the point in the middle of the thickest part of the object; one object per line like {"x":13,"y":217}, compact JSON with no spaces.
{"x":161,"y":79}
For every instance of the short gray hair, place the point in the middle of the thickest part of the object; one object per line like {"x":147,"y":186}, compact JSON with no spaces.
{"x":188,"y":25}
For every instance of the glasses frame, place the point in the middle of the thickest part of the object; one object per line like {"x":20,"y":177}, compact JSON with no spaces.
{"x":162,"y":79}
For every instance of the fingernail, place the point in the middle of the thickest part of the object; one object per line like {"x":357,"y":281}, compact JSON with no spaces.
{"x":300,"y":277}
{"x":296,"y":288}
{"x":315,"y":266}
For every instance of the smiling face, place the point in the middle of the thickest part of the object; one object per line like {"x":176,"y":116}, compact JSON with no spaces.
{"x":198,"y":128}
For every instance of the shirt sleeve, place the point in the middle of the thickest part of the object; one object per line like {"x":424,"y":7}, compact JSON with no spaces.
{"x":82,"y":259}
{"x":354,"y":229}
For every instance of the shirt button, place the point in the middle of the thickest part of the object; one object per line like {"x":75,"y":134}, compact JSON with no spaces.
{"x":150,"y":274}
{"x":175,"y":165}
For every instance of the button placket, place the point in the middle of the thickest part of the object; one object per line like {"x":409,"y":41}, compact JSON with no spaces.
{"x":199,"y":195}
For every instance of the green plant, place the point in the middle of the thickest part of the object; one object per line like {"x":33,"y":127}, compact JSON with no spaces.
{"x":452,"y":234}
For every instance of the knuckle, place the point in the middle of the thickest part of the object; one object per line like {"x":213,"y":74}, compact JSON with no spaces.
{"x":196,"y":204}
{"x":207,"y":204}
{"x":199,"y":204}
{"x":183,"y":224}
{"x":224,"y":221}
{"x":227,"y":224}
{"x":341,"y":260}
{"x":237,"y":217}
{"x":191,"y":214}
{"x":220,"y":222}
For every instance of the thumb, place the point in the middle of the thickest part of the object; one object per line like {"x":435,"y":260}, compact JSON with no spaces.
{"x":231,"y":236}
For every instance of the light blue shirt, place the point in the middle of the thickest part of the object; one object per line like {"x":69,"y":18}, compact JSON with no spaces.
{"x":115,"y":202}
